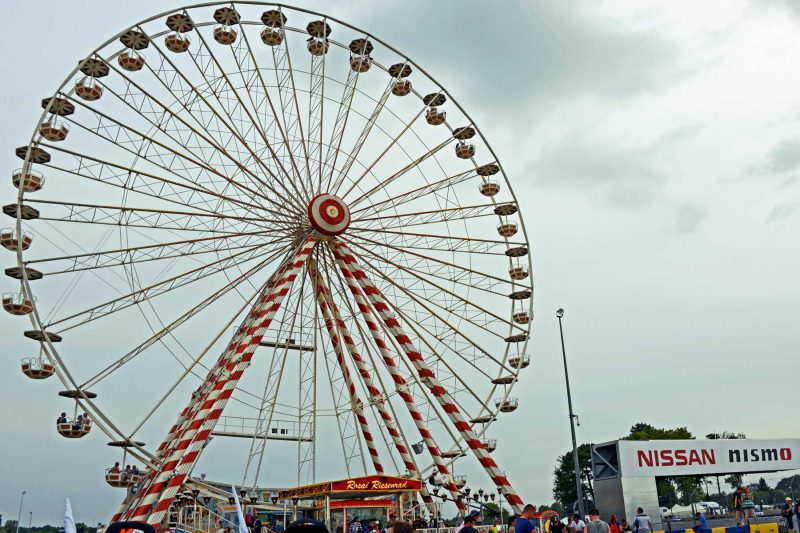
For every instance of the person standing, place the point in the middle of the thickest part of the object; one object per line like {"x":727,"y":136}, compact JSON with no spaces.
{"x":556,"y":525}
{"x":738,"y":503}
{"x":576,"y":525}
{"x":595,"y":525}
{"x":469,"y":524}
{"x":788,"y":514}
{"x":624,"y":525}
{"x":613,"y":525}
{"x":511,"y":521}
{"x":642,"y":522}
{"x":748,"y":505}
{"x":523,"y":523}
{"x":797,"y":515}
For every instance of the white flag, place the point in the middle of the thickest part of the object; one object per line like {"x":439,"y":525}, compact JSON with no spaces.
{"x":69,"y":521}
{"x":239,"y":514}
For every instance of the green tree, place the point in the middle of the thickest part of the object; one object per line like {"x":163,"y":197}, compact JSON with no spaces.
{"x":734,"y":480}
{"x":564,"y":476}
{"x":789,"y":484}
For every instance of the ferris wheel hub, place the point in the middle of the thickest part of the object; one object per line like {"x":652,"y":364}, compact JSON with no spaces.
{"x":328,"y":214}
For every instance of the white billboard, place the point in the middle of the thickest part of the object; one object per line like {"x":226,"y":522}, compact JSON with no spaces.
{"x":705,"y":457}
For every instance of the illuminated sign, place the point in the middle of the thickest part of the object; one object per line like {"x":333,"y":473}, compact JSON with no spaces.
{"x":699,"y":457}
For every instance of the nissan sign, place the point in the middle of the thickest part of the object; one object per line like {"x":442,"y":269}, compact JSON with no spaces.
{"x":707,"y":457}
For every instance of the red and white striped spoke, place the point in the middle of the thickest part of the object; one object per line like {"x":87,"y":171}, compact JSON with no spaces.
{"x":243,"y":347}
{"x":171,"y":449}
{"x":355,"y":402}
{"x":376,"y":397}
{"x":217,"y":389}
{"x":345,"y":256}
{"x":155,"y":482}
{"x":400,"y":384}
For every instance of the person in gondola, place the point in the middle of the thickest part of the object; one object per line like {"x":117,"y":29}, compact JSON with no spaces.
{"x":115,"y":468}
{"x":62,"y":419}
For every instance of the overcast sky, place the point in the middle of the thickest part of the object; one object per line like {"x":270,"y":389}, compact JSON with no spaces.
{"x":653,"y":147}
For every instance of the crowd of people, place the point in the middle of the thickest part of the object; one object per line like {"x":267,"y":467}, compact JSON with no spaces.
{"x":524,"y":524}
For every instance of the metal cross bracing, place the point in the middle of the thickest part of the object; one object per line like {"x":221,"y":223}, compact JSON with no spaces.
{"x":307,"y":390}
{"x":356,"y":404}
{"x":202,"y":163}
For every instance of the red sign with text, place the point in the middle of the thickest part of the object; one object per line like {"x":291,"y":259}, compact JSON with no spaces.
{"x":376,"y":484}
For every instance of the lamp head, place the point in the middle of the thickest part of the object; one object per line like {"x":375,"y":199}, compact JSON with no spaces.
{"x":560,"y":312}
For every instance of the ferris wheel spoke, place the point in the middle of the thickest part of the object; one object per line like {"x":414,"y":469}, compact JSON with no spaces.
{"x":441,"y":394}
{"x":407,"y":127}
{"x":161,"y":287}
{"x":415,"y":194}
{"x":361,"y":140}
{"x":140,"y":217}
{"x":467,"y":271}
{"x":146,"y":183}
{"x":248,"y":63}
{"x":334,"y":333}
{"x":150,"y":252}
{"x":405,"y":220}
{"x":359,"y":292}
{"x":170,"y":328}
{"x":339,"y":127}
{"x":170,"y":124}
{"x":213,"y":70}
{"x":451,"y":309}
{"x":316,"y":113}
{"x":272,"y":386}
{"x":397,"y":175}
{"x":188,"y":96}
{"x":448,"y":331}
{"x":376,"y":397}
{"x":239,"y":355}
{"x":131,"y":139}
{"x":448,"y":243}
{"x":290,"y":106}
{"x":401,"y":442}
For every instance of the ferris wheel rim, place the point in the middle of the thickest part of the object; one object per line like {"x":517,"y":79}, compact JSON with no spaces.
{"x":36,"y":319}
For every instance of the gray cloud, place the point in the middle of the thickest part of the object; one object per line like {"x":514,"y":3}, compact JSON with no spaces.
{"x":512,"y":56}
{"x":784,"y":157}
{"x":688,"y":218}
{"x":625,"y":177}
{"x":782,"y":211}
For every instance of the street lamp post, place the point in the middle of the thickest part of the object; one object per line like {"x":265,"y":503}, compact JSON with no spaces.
{"x":30,"y":521}
{"x":572,"y":416}
{"x":19,"y":514}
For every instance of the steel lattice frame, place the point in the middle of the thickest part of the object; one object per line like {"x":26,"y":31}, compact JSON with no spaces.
{"x":242,"y":167}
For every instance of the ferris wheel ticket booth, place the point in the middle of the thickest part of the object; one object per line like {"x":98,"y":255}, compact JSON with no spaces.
{"x":367,"y":500}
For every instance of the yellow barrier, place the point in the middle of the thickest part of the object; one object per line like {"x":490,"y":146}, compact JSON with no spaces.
{"x":764,"y":528}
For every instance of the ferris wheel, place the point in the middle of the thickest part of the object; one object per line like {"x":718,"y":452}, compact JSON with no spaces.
{"x":279,"y":228}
